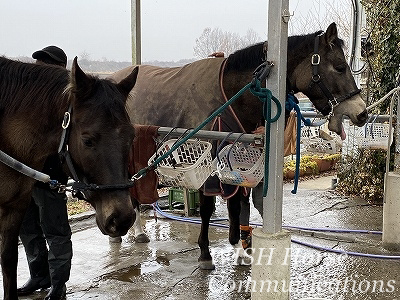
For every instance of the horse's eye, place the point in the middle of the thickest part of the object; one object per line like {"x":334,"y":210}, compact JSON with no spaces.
{"x":340,"y":68}
{"x":88,"y":142}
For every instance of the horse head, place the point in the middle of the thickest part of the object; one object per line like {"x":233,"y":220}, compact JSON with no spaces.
{"x":324,"y":76}
{"x":99,"y":143}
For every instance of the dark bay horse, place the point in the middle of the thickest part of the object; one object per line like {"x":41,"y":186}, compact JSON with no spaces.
{"x":184,"y":97}
{"x":33,"y":102}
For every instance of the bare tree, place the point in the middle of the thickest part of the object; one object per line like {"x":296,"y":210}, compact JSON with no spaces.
{"x":322,"y":13}
{"x":85,"y":56}
{"x":216,"y":40}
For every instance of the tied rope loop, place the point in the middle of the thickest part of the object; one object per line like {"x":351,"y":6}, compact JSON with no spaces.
{"x":265,"y":95}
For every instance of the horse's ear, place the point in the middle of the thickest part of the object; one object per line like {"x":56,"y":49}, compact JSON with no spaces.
{"x":80,"y":82}
{"x":331,"y":34}
{"x":127,"y":84}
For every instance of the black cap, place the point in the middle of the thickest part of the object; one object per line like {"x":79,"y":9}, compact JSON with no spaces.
{"x":52,"y":52}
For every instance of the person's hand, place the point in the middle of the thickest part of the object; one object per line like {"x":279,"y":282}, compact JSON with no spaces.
{"x":259,"y":130}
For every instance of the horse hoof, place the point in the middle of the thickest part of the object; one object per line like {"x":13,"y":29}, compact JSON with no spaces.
{"x":116,"y":239}
{"x":142,"y":238}
{"x":206,"y":265}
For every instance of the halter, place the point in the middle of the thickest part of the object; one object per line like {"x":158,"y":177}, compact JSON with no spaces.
{"x":316,"y":80}
{"x":63,"y":151}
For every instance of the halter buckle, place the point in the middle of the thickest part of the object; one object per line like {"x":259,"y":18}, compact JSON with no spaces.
{"x":315,"y":59}
{"x":66,"y":120}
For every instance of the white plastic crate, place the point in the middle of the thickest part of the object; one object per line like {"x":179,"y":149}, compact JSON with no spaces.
{"x":188,"y":166}
{"x":239,"y":164}
{"x":373,"y":136}
{"x":319,"y":145}
{"x":309,"y":132}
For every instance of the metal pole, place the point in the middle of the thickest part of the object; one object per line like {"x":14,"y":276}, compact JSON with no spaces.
{"x":136,"y":33}
{"x":397,"y":140}
{"x":278,"y":18}
{"x":257,"y":139}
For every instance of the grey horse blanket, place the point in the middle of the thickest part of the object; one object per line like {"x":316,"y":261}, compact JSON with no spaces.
{"x":175,"y":97}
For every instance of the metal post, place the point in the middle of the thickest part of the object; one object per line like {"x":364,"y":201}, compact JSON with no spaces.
{"x":278,"y":17}
{"x":136,"y":32}
{"x":274,"y":267}
{"x":397,"y":139}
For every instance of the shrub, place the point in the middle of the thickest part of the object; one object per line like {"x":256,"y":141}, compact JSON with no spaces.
{"x":363,"y":175}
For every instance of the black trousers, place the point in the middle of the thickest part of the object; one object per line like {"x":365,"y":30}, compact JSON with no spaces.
{"x":46,"y":220}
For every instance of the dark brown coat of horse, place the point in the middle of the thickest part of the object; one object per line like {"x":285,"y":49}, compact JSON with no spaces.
{"x":33,"y":100}
{"x":316,"y":66}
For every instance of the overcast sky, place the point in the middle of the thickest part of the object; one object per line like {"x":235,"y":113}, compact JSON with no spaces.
{"x":102,"y":28}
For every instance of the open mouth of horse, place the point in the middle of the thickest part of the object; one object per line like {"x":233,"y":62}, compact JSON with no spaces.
{"x":336,"y":123}
{"x":338,"y":129}
{"x":354,"y":108}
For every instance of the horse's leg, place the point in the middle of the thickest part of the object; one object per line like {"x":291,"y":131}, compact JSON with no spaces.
{"x":242,"y":214}
{"x":206,"y":210}
{"x":257,"y":195}
{"x":10,"y":223}
{"x":233,"y":204}
{"x":141,"y":236}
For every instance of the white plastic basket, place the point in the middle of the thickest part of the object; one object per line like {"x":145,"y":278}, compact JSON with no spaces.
{"x":239,"y":164}
{"x":309,"y":132}
{"x":319,"y":145}
{"x":373,"y":136}
{"x":188,"y":166}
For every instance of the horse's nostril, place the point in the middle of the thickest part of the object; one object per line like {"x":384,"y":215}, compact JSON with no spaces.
{"x":111,"y":225}
{"x":362,"y":117}
{"x":118,"y":224}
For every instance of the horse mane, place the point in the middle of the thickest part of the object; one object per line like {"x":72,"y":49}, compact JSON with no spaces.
{"x":31,"y":88}
{"x":252,"y":56}
{"x":43,"y":90}
{"x":246,"y":58}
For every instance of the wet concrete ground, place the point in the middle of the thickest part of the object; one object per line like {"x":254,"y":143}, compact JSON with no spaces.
{"x":166,"y":268}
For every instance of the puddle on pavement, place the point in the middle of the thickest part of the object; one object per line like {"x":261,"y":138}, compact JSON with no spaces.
{"x":130,"y":273}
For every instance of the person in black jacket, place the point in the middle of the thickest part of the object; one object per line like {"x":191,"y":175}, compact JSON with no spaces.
{"x":46,"y":219}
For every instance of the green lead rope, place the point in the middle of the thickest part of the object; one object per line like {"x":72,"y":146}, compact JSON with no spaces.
{"x":194,"y":131}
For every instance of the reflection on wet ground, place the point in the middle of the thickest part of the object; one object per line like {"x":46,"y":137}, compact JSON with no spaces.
{"x":167,"y":267}
{"x":128,"y":274}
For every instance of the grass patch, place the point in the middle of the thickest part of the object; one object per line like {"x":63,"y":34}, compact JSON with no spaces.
{"x":75,"y":206}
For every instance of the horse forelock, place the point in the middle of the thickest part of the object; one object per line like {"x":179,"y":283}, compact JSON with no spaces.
{"x":102,"y":98}
{"x":30,"y":88}
{"x":303,"y":45}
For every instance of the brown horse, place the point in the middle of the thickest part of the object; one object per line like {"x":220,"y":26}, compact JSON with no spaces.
{"x":184,"y":97}
{"x":33,"y":101}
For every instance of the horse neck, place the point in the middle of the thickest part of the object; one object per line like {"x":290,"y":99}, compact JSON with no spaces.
{"x":33,"y":139}
{"x":232,"y":83}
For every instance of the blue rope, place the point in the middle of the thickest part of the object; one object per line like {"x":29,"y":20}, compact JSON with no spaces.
{"x":291,"y":104}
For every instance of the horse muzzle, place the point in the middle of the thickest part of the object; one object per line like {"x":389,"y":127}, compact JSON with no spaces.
{"x":115,"y":218}
{"x":118,"y":225}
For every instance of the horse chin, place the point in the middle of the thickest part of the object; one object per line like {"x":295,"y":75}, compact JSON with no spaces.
{"x":336,"y":125}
